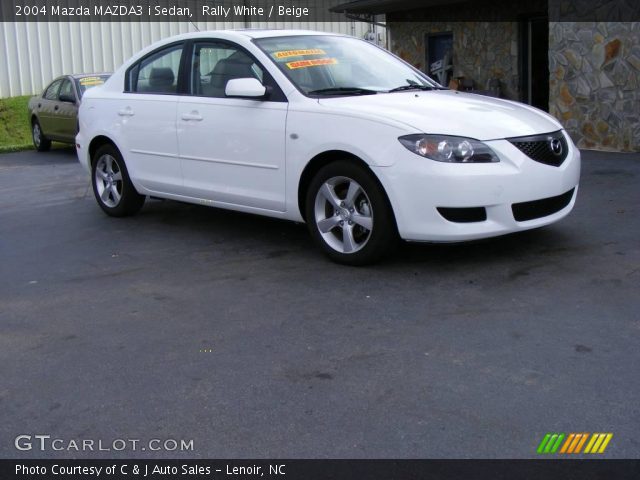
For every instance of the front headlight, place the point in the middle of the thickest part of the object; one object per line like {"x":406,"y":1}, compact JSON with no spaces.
{"x":445,"y":148}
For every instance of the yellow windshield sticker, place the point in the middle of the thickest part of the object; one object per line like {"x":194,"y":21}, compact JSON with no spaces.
{"x":311,"y":63}
{"x":87,"y":81}
{"x":299,"y":53}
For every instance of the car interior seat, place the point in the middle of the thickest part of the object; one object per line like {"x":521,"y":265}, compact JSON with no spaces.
{"x":225,"y":70}
{"x":162,"y":80}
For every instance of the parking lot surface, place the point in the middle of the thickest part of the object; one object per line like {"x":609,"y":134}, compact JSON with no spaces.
{"x":232,"y":330}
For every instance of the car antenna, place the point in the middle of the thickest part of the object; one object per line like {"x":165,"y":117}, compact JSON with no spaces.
{"x":194,"y":25}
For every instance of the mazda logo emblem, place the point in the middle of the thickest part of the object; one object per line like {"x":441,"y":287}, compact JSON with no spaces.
{"x":556,"y":146}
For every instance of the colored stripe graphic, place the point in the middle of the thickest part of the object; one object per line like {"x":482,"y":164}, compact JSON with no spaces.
{"x":607,"y":439}
{"x":594,"y":437}
{"x":572,"y":443}
{"x":598,"y":443}
{"x":556,"y":445}
{"x":581,"y":443}
{"x":543,"y":443}
{"x":568,"y":442}
{"x":550,"y":443}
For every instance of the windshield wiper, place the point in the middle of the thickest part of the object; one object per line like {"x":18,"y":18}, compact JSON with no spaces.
{"x":403,"y":88}
{"x":342,"y":91}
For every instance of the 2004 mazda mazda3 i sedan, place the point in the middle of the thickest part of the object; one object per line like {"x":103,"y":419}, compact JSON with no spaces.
{"x":325,"y":129}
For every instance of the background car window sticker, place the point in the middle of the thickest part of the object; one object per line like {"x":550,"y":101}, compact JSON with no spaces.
{"x":299,"y":53}
{"x":91,"y":81}
{"x":311,"y":63}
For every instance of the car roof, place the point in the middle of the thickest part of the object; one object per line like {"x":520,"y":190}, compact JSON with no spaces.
{"x":77,"y":76}
{"x":265,"y":33}
{"x":248,"y":33}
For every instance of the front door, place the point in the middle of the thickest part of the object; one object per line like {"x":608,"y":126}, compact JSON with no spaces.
{"x":46,"y":108}
{"x":66,"y":113}
{"x":232,"y":149}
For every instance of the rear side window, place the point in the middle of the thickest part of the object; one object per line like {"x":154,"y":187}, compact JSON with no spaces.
{"x":157,"y":73}
{"x":51,"y":93}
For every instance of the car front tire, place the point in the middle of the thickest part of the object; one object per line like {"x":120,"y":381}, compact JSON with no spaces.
{"x":112,"y":186}
{"x":349,"y":215}
{"x":40,"y":142}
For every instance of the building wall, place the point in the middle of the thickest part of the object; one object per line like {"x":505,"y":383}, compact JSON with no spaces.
{"x":595,"y":82}
{"x":481,"y":50}
{"x":32,"y":54}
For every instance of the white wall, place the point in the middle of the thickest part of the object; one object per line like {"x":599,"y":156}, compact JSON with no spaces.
{"x":35,"y":53}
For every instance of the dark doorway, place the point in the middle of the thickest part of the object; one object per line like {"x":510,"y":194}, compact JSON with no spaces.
{"x":440,"y":57}
{"x":534,"y":61}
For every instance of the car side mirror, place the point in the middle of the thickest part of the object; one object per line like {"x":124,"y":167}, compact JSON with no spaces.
{"x":65,"y":97}
{"x":245,"y":88}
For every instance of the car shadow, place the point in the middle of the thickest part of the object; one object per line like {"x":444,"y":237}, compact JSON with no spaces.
{"x":274,"y":238}
{"x":544,"y":240}
{"x":60,"y":154}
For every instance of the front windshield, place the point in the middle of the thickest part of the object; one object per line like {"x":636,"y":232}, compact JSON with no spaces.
{"x":325,"y":65}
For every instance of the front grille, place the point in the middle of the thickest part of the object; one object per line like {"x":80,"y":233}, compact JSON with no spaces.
{"x":541,"y":147}
{"x":464,"y":215}
{"x":541,"y":208}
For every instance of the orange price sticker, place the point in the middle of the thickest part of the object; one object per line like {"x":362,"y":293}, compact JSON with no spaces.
{"x":311,"y":63}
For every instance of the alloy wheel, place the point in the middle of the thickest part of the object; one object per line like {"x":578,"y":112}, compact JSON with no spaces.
{"x":343,"y":214}
{"x":109,"y":183}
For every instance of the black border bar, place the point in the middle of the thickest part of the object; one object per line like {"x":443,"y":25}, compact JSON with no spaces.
{"x":543,"y":469}
{"x":315,"y":10}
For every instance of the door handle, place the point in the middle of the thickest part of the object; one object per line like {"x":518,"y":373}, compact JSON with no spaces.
{"x":56,"y":107}
{"x":193,"y":116}
{"x":126,"y":112}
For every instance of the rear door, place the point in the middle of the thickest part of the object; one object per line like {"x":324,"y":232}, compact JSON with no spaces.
{"x":147,"y":118}
{"x":65,"y":114}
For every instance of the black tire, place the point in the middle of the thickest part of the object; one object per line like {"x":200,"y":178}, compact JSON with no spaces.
{"x":112,"y":186}
{"x":346,"y":238}
{"x":40,"y":142}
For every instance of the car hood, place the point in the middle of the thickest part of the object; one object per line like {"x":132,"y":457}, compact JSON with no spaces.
{"x":449,"y":112}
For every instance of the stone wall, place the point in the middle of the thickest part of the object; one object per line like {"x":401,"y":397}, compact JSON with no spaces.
{"x":481,"y":50}
{"x":595,"y":82}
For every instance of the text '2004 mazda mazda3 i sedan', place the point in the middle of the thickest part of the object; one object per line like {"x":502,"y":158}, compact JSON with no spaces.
{"x":325,"y":129}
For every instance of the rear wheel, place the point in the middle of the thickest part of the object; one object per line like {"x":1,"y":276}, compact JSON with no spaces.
{"x":40,"y":142}
{"x":348,"y":214}
{"x":112,"y":186}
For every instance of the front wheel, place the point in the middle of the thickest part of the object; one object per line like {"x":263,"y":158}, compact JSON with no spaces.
{"x":40,"y":142}
{"x":112,"y":186}
{"x":348,"y":214}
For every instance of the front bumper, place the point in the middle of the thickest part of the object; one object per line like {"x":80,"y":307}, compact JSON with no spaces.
{"x":417,"y":187}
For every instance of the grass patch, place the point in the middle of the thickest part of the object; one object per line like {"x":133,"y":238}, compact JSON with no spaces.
{"x":15,"y":131}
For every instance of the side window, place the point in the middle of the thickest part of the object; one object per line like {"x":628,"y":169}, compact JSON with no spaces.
{"x":67,"y":88}
{"x":157,"y":73}
{"x":214,"y":64}
{"x":51,"y":93}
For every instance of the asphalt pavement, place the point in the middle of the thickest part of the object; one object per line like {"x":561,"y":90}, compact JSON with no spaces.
{"x":231,"y":330}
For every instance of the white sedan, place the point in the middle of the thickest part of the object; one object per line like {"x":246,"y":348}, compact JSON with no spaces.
{"x":324,"y":129}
